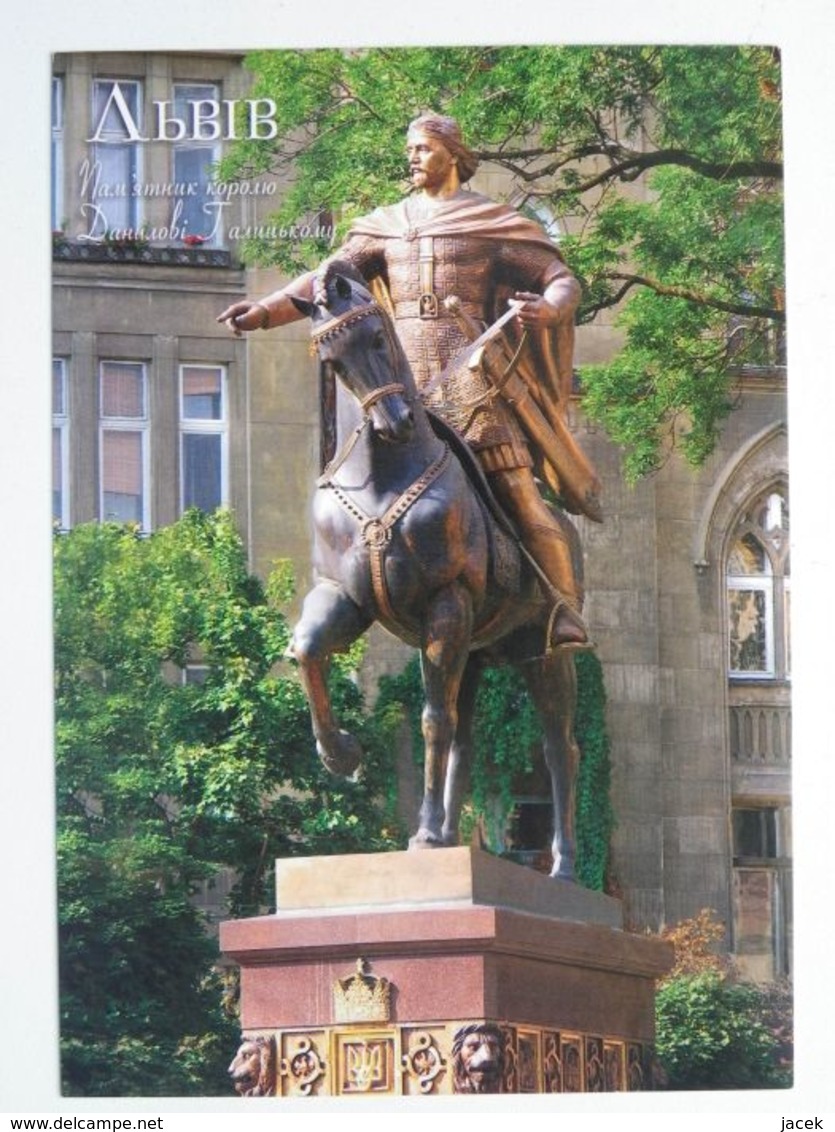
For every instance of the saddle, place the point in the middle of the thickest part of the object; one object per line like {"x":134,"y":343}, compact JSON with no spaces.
{"x":506,"y":549}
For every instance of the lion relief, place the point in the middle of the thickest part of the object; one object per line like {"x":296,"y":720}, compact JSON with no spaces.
{"x":478,"y":1058}
{"x":253,"y":1067}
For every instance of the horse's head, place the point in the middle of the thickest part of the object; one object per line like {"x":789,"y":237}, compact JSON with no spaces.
{"x":354,"y":336}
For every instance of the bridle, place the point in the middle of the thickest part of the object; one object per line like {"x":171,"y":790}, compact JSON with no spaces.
{"x":340,"y":322}
{"x":376,"y":530}
{"x":345,"y":321}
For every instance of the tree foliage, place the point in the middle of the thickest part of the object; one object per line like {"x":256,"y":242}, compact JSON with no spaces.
{"x":694,"y":943}
{"x":662,"y":166}
{"x":161,"y":783}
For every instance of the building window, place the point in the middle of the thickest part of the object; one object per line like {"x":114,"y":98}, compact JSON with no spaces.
{"x":195,"y":213}
{"x":758,"y":590}
{"x":116,"y":157}
{"x":124,"y":456}
{"x":60,"y":445}
{"x":755,"y":833}
{"x":758,"y":342}
{"x":57,"y":156}
{"x":529,"y":832}
{"x":761,"y":891}
{"x":203,"y":437}
{"x":195,"y":674}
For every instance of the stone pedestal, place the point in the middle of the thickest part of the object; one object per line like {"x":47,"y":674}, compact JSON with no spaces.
{"x":375,"y":964}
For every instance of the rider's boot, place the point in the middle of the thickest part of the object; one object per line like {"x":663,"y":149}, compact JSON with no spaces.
{"x":549,"y":549}
{"x":547,"y":544}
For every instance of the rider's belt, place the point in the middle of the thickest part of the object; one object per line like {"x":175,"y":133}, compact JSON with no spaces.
{"x":411,"y":308}
{"x":428,"y":305}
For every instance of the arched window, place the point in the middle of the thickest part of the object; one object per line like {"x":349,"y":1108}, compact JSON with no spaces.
{"x":759,"y":662}
{"x":758,"y":590}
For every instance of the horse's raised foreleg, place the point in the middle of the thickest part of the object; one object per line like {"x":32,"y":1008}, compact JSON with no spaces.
{"x":446,"y":642}
{"x":552,"y":683}
{"x":461,"y":752}
{"x":330,"y":622}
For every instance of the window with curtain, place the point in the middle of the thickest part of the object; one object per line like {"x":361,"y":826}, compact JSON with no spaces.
{"x":115,"y":157}
{"x":203,"y":437}
{"x":193,"y":162}
{"x":57,"y":154}
{"x":123,"y":419}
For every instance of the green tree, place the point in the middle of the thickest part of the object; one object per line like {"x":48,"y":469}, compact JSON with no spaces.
{"x":714,"y":1031}
{"x":663,"y":166}
{"x":162,"y":783}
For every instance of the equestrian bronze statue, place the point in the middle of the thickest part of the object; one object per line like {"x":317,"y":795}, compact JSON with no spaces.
{"x":432,"y":522}
{"x":404,"y":536}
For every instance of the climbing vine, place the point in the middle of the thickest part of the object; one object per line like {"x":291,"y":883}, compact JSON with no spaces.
{"x":507,"y":739}
{"x":595,"y":817}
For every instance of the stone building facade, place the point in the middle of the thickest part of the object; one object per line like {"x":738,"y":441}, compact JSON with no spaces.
{"x":698,"y":695}
{"x":156,"y":406}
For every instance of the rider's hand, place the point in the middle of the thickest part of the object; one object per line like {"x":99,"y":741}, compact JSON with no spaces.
{"x":536,"y":312}
{"x":243,"y":315}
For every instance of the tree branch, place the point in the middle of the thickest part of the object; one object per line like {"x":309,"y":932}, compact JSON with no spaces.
{"x":631,"y":165}
{"x":352,"y":96}
{"x":745,"y":310}
{"x":612,"y":300}
{"x":716,"y":170}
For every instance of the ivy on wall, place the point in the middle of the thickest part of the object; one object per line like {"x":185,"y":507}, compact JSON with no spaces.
{"x":595,"y":816}
{"x":507,"y":740}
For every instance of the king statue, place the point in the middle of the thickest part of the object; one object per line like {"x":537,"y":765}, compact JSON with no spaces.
{"x":444,"y":241}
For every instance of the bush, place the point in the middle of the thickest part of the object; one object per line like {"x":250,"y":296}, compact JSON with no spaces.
{"x":712,"y":1033}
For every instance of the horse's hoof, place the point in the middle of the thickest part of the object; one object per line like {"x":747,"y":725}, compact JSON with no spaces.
{"x":426,"y":839}
{"x":342,"y":756}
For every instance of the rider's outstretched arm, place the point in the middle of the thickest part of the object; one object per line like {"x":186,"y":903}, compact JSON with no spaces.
{"x":276,"y":309}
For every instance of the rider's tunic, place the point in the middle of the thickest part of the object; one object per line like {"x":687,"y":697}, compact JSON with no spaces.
{"x":471,"y":268}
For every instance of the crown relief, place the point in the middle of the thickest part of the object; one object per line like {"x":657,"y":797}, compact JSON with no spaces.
{"x":362,"y":997}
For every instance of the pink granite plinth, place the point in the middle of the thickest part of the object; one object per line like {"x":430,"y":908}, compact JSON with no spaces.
{"x":458,"y":935}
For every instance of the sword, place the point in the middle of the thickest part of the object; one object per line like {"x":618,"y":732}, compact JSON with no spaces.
{"x":576,"y":481}
{"x":463,"y":356}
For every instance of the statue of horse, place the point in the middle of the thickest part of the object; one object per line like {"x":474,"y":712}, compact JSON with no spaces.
{"x":404,"y":536}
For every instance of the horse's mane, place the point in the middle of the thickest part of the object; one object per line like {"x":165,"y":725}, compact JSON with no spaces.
{"x":325,"y":276}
